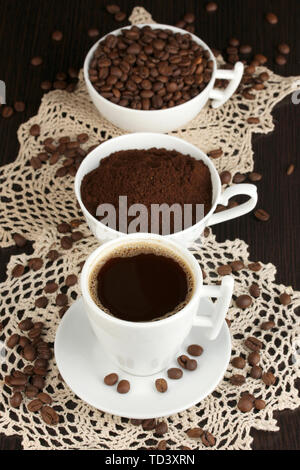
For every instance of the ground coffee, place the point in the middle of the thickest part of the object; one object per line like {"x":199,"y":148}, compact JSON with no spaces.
{"x":154,"y":176}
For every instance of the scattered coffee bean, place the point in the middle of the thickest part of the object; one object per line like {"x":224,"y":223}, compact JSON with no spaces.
{"x":245,"y":49}
{"x":260,"y":58}
{"x":57,"y":35}
{"x":254,"y":290}
{"x":255,"y":266}
{"x":13,"y":340}
{"x":195,"y":350}
{"x":268,"y":378}
{"x":136,"y":422}
{"x":53,"y":255}
{"x":64,"y":228}
{"x":280,"y":59}
{"x":161,"y":428}
{"x":245,"y":404}
{"x":66,"y":243}
{"x":253,"y":344}
{"x":36,"y":163}
{"x":35,"y":130}
{"x":211,"y":7}
{"x":237,"y":379}
{"x":93,"y":32}
{"x":267,"y":325}
{"x":41,"y":302}
{"x":174,"y":373}
{"x":112,"y":9}
{"x":217,"y":153}
{"x":259,"y":404}
{"x":26,"y":324}
{"x":44,"y":398}
{"x":35,"y":263}
{"x":187,"y":363}
{"x":38,"y":382}
{"x":271,"y":18}
{"x":46,"y":85}
{"x":254,"y":358}
{"x":36,"y":61}
{"x":224,"y":270}
{"x":61,"y":300}
{"x":49,"y":415}
{"x":76,"y":236}
{"x":254,"y":176}
{"x":238,"y":362}
{"x":19,"y":240}
{"x":290,"y":169}
{"x":161,"y":385}
{"x":7,"y":111}
{"x":148,"y":424}
{"x":29,"y":353}
{"x":18,"y":270}
{"x":285,"y":299}
{"x":50,"y":287}
{"x":283,"y":48}
{"x":256,"y":372}
{"x":162,"y":445}
{"x":31,"y":391}
{"x":123,"y":386}
{"x":225,"y":177}
{"x":24,"y":341}
{"x":19,"y":106}
{"x":237,"y":265}
{"x":35,"y":405}
{"x":262,"y":215}
{"x":244,"y":301}
{"x":253,"y":120}
{"x":208,"y":439}
{"x":71,"y":280}
{"x":120,"y":16}
{"x":239,"y":178}
{"x":195,"y":433}
{"x":111,"y":379}
{"x":16,"y":400}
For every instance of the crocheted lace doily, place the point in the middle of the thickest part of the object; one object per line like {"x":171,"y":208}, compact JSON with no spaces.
{"x":33,"y":202}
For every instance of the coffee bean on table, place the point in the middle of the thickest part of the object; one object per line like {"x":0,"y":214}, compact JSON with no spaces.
{"x":195,"y":433}
{"x":76,"y":236}
{"x":245,"y":49}
{"x":31,"y":391}
{"x":268,"y":378}
{"x":283,"y":48}
{"x":61,"y":300}
{"x":238,"y":362}
{"x":237,"y":379}
{"x":24,"y":341}
{"x":13,"y":340}
{"x":285,"y":299}
{"x":19,"y":240}
{"x":50,"y":287}
{"x":225,"y":177}
{"x":195,"y":350}
{"x":7,"y":111}
{"x":245,"y":404}
{"x":271,"y":18}
{"x":111,"y":379}
{"x":259,"y":404}
{"x":18,"y":270}
{"x":123,"y":386}
{"x":71,"y":280}
{"x":149,"y":424}
{"x":253,"y":344}
{"x":112,"y":8}
{"x":49,"y":416}
{"x":217,"y":153}
{"x":41,"y":302}
{"x":208,"y":439}
{"x":120,"y":16}
{"x":174,"y":373}
{"x":254,"y":290}
{"x":162,"y":445}
{"x":16,"y":400}
{"x":256,"y":372}
{"x":237,"y":265}
{"x":29,"y":353}
{"x":161,"y":385}
{"x":254,"y":358}
{"x":244,"y":301}
{"x":26,"y":324}
{"x":35,"y":263}
{"x":19,"y":106}
{"x":38,"y":382}
{"x":290,"y":169}
{"x":66,"y":243}
{"x":224,"y":270}
{"x":35,"y":130}
{"x":35,"y":405}
{"x":36,"y":61}
{"x":93,"y":32}
{"x":57,"y":35}
{"x":161,"y":428}
{"x":64,"y":228}
{"x":136,"y":422}
{"x":53,"y":255}
{"x":189,"y":18}
{"x":35,"y":163}
{"x":45,"y":398}
{"x":280,"y":59}
{"x":267,"y":325}
{"x":211,"y":7}
{"x":254,"y":176}
{"x":239,"y":178}
{"x":46,"y":85}
{"x":255,"y":266}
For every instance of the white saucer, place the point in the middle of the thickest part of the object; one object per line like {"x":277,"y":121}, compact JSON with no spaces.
{"x":83,"y":365}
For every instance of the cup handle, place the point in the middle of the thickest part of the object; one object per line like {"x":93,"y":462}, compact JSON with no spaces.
{"x":235,"y":190}
{"x":219,"y":97}
{"x":215,"y":318}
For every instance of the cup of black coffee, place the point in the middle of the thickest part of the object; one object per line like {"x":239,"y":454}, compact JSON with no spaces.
{"x":141,"y":296}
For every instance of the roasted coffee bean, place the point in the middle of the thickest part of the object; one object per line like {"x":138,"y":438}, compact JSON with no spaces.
{"x":57,"y":35}
{"x":120,"y":16}
{"x":189,"y":18}
{"x":253,"y":120}
{"x":238,"y":362}
{"x":254,"y":358}
{"x":254,"y":290}
{"x":256,"y":372}
{"x":18,"y":270}
{"x":36,"y":61}
{"x":35,"y":333}
{"x":237,"y":379}
{"x":44,"y":398}
{"x":211,"y":7}
{"x":23,"y":341}
{"x":35,"y":130}
{"x":49,"y":416}
{"x":248,"y":395}
{"x":239,"y":178}
{"x":64,"y":228}
{"x":259,"y":404}
{"x":237,"y":265}
{"x":35,"y":263}
{"x":50,"y":287}
{"x":7,"y":112}
{"x":253,"y":344}
{"x":290,"y":169}
{"x":35,"y":405}
{"x":38,"y":382}
{"x":93,"y":32}
{"x":267,"y":325}
{"x":208,"y":439}
{"x":255,"y":266}
{"x":283,"y":48}
{"x":28,"y":370}
{"x":40,"y":371}
{"x":42,"y":363}
{"x":16,"y":400}
{"x":71,"y":280}
{"x":29,"y":353}
{"x":285,"y":299}
{"x":161,"y":385}
{"x":41,"y":302}
{"x":54,"y":158}
{"x":280,"y":59}
{"x":271,"y":18}
{"x":66,"y":243}
{"x":249,"y":96}
{"x":245,"y":404}
{"x":26,"y":324}
{"x":62,"y":311}
{"x":174,"y":373}
{"x":53,"y":255}
{"x":13,"y":340}
{"x":225,"y":177}
{"x":195,"y":433}
{"x":149,"y":424}
{"x":31,"y":391}
{"x":161,"y":428}
{"x":260,"y":58}
{"x":195,"y":350}
{"x":217,"y":153}
{"x":224,"y":270}
{"x":245,"y":49}
{"x":136,"y":422}
{"x":268,"y":378}
{"x":162,"y":445}
{"x":36,"y":163}
{"x":19,"y":240}
{"x":76,"y":236}
{"x":244,"y":301}
{"x":46,"y":85}
{"x":111,"y":379}
{"x":61,"y":300}
{"x":254,"y":176}
{"x":187,"y":363}
{"x":19,"y":106}
{"x":123,"y":386}
{"x":112,"y":9}
{"x":19,"y":380}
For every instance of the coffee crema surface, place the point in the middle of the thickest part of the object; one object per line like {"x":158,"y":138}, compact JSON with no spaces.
{"x":150,"y":177}
{"x":150,"y":69}
{"x":141,"y":283}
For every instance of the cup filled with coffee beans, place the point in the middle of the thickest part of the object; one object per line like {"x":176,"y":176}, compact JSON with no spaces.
{"x":154,"y":78}
{"x":142,"y":296}
{"x":154,"y":183}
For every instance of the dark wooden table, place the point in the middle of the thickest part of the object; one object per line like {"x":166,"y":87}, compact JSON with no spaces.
{"x":25,"y":31}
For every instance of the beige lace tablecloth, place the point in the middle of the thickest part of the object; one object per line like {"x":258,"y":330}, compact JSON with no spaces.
{"x":34,"y":201}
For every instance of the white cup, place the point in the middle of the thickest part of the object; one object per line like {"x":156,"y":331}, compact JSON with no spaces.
{"x":145,"y":348}
{"x":148,"y":140}
{"x":164,"y":120}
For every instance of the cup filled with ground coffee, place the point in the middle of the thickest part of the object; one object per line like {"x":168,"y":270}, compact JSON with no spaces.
{"x":154,"y":183}
{"x":142,"y":296}
{"x":154,"y":78}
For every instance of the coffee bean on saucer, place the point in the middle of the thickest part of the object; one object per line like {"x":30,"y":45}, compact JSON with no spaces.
{"x":238,"y":362}
{"x":111,"y":379}
{"x":16,"y":400}
{"x":259,"y":404}
{"x":290,"y":169}
{"x":49,"y":415}
{"x":254,"y":358}
{"x":283,"y":48}
{"x":13,"y":340}
{"x":149,"y":424}
{"x":253,"y":344}
{"x":254,"y":290}
{"x":244,"y":301}
{"x":211,"y":7}
{"x":224,"y":270}
{"x":161,"y":428}
{"x":7,"y":111}
{"x":36,"y":61}
{"x":267,"y":325}
{"x":57,"y":36}
{"x":256,"y":372}
{"x":41,"y":302}
{"x":237,"y":379}
{"x":280,"y":59}
{"x":161,"y":385}
{"x":66,"y":243}
{"x":208,"y":439}
{"x":123,"y":386}
{"x":239,"y":178}
{"x":285,"y":299}
{"x":195,"y":350}
{"x":186,"y":363}
{"x":174,"y":373}
{"x":18,"y":270}
{"x":19,"y":240}
{"x":245,"y":404}
{"x":225,"y":177}
{"x":19,"y":106}
{"x":271,"y":18}
{"x":237,"y":265}
{"x":268,"y":378}
{"x":195,"y":433}
{"x":26,"y":324}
